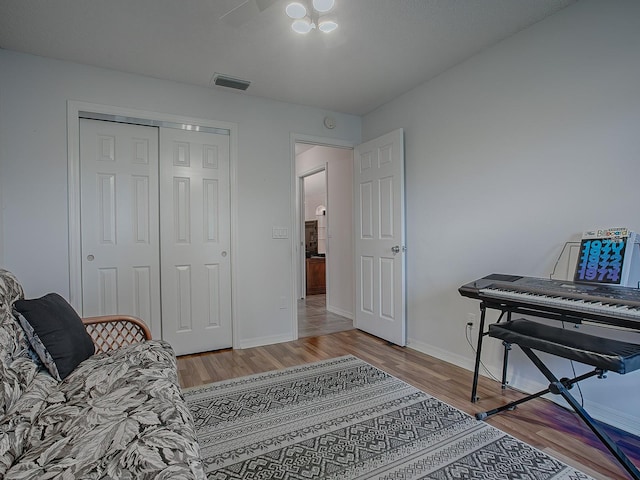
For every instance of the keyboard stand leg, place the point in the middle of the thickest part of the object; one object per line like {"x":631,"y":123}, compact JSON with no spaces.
{"x":586,"y":418}
{"x":476,"y":370}
{"x":505,"y":361}
{"x":567,"y":383}
{"x":561,"y":387}
{"x":604,"y":438}
{"x":510,"y":406}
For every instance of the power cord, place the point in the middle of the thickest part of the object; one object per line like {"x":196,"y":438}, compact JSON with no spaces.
{"x":469,"y":327}
{"x":566,"y":244}
{"x":467,"y":335}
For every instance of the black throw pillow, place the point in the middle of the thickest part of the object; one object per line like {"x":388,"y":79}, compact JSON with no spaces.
{"x":55,"y":332}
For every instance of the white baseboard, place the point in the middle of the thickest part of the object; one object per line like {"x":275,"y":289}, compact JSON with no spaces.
{"x":598,"y":411}
{"x":440,"y":354}
{"x":339,"y":311}
{"x":602,"y":413}
{"x":615,"y":418}
{"x":261,"y":341}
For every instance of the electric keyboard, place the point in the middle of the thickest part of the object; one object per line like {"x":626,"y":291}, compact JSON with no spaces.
{"x":566,"y":301}
{"x":606,"y":304}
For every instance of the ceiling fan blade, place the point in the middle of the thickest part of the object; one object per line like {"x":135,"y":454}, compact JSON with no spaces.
{"x":245,"y":11}
{"x":241,"y":14}
{"x":264,"y":4}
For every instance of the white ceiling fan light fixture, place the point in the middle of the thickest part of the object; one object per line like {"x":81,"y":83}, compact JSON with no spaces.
{"x":323,"y":6}
{"x":327,"y":26}
{"x":296,"y":10}
{"x":304,"y":20}
{"x":303,"y":25}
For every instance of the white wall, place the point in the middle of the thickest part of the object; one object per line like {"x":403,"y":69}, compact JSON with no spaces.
{"x":508,"y":156}
{"x":33,"y":164}
{"x":340,"y":280}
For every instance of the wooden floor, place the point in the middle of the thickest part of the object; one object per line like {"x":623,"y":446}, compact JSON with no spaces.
{"x":540,"y":422}
{"x":314,"y":319}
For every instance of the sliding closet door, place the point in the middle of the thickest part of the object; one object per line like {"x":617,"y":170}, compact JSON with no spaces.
{"x":195,"y":240}
{"x":119,"y":221}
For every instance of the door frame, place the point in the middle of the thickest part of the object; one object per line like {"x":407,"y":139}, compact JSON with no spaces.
{"x":296,"y":213}
{"x":74,"y":108}
{"x":302,"y":271}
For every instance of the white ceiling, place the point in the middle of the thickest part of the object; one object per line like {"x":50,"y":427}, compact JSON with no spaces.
{"x":381,"y":49}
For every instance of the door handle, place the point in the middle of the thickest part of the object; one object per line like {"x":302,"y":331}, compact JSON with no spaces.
{"x":397,"y":249}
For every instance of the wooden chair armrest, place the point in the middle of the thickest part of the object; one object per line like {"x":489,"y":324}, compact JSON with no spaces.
{"x":110,"y":332}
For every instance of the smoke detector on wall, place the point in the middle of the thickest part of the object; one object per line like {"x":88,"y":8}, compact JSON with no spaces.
{"x":330,"y":122}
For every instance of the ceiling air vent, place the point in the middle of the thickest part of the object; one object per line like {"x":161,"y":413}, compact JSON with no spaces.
{"x":230,"y":82}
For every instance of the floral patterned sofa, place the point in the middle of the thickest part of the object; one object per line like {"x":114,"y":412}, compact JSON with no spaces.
{"x":118,"y":414}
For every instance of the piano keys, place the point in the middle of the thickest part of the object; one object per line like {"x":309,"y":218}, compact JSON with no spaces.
{"x":605,"y":304}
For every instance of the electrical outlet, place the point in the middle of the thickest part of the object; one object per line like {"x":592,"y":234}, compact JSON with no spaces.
{"x":471,"y":320}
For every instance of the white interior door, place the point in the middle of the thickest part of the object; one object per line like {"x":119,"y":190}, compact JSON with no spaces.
{"x":379,"y":237}
{"x":195,"y":239}
{"x":119,"y":221}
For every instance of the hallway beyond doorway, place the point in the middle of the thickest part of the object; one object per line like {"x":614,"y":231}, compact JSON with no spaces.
{"x":314,"y":319}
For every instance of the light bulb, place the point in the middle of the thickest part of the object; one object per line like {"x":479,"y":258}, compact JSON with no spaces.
{"x":328,"y":26}
{"x":302,"y":26}
{"x":323,"y":5}
{"x":296,"y":10}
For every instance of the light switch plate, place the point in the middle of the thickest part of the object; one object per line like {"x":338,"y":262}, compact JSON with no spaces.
{"x":280,"y":232}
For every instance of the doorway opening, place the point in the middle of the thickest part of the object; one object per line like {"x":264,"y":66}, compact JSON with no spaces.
{"x":324,"y":199}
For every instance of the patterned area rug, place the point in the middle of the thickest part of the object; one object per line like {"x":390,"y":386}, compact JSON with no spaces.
{"x":345,"y":419}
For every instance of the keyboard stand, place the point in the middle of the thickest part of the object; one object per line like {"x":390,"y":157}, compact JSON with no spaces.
{"x":509,"y":311}
{"x":601,"y":353}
